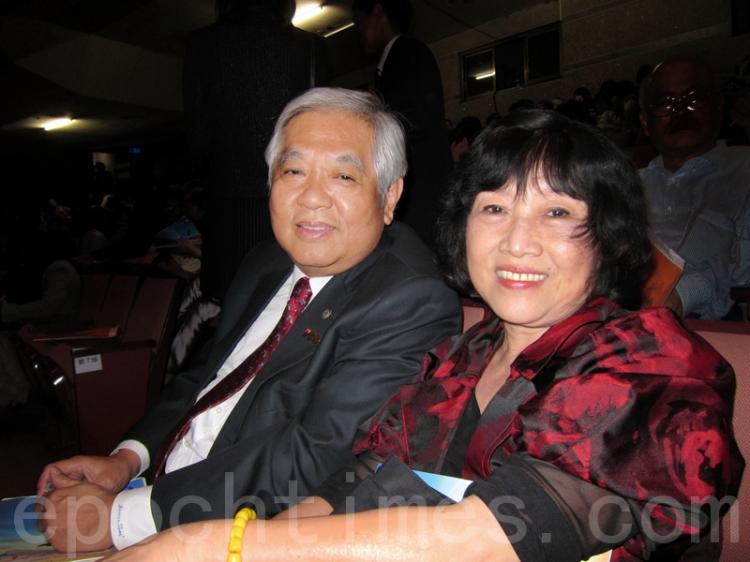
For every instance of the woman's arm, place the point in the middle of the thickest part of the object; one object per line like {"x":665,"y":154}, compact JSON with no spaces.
{"x":309,"y":507}
{"x":463,"y":531}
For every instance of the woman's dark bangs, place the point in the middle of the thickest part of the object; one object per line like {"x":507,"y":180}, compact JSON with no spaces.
{"x":495,"y":164}
{"x":522,"y":155}
{"x":552,"y":158}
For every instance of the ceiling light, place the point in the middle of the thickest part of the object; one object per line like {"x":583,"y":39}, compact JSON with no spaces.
{"x":342,"y":28}
{"x":306,"y":13}
{"x":484,"y":75}
{"x":57,"y":123}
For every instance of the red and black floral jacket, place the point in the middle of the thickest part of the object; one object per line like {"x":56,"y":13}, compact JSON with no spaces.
{"x":629,"y":401}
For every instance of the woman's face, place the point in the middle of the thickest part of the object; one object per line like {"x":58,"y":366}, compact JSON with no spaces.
{"x":526,"y":257}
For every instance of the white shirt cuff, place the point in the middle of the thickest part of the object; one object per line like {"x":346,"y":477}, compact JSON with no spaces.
{"x":139,"y":449}
{"x":131,"y":520}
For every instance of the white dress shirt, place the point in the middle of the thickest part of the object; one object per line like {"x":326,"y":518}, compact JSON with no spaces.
{"x":702,"y":212}
{"x":131,"y":520}
{"x":384,"y":55}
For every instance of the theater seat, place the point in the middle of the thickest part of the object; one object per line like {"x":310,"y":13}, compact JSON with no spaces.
{"x":474,"y":311}
{"x":732,"y":340}
{"x":104,"y":383}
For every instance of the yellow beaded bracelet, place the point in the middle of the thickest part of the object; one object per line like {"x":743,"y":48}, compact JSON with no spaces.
{"x":237,"y":532}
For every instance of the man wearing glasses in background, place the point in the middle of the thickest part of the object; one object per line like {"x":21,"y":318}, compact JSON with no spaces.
{"x":698,"y":188}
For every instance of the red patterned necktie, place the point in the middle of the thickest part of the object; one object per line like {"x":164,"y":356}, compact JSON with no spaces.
{"x":245,"y":371}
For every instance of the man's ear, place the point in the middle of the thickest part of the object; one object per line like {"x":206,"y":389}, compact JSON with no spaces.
{"x":391,"y":199}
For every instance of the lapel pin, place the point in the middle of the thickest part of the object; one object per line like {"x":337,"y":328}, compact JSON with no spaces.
{"x":327,"y":313}
{"x":310,"y":335}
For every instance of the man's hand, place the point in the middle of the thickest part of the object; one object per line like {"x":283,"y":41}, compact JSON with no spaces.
{"x":76,"y":516}
{"x":110,"y":473}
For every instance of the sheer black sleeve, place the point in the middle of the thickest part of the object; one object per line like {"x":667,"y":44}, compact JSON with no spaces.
{"x":550,"y":515}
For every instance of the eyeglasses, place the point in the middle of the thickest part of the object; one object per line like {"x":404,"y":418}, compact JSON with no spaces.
{"x":692,"y":101}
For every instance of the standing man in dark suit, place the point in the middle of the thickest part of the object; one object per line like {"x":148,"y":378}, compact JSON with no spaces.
{"x":408,"y":79}
{"x":366,"y":303}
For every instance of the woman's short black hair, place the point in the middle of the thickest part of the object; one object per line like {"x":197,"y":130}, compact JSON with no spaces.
{"x":574,"y":159}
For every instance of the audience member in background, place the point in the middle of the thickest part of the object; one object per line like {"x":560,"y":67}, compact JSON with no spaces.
{"x":583,"y":96}
{"x":463,"y":135}
{"x":546,"y":104}
{"x":698,"y":189}
{"x":610,"y":107}
{"x":627,"y":93}
{"x":238,"y":75}
{"x":102,"y":184}
{"x":576,"y":110}
{"x":181,"y":241}
{"x":523,"y":103}
{"x":273,"y":411}
{"x":42,"y":287}
{"x":409,"y":81}
{"x":492,"y":118}
{"x":97,"y":224}
{"x":605,"y":104}
{"x":42,"y":261}
{"x":196,"y":322}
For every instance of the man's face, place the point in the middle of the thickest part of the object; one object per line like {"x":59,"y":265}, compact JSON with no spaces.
{"x":326,"y":210}
{"x":683,"y":112}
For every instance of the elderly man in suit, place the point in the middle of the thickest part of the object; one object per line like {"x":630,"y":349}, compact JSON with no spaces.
{"x":319,"y":328}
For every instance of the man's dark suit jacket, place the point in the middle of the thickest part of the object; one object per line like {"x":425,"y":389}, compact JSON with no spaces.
{"x":298,"y":418}
{"x":410,"y":85}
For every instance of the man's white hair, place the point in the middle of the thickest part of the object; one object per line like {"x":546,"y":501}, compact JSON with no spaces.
{"x":389,"y":145}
